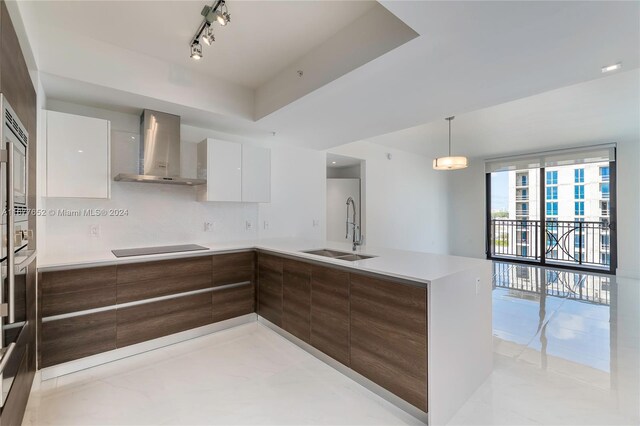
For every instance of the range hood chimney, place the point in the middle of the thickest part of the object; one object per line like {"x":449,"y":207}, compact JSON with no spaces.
{"x":159,"y":151}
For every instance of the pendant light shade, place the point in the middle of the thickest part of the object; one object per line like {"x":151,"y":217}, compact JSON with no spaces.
{"x":450,"y":162}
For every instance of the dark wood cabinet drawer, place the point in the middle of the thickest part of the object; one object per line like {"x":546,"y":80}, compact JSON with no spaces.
{"x":139,"y":281}
{"x":233,"y":302}
{"x":330,"y":312}
{"x":270,"y":288}
{"x":233,"y":268}
{"x":76,"y":290}
{"x":77,"y":337}
{"x":296,"y":299}
{"x":389,"y":336}
{"x":156,"y":319}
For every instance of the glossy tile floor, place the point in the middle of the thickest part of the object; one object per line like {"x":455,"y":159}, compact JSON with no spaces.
{"x":566,"y":355}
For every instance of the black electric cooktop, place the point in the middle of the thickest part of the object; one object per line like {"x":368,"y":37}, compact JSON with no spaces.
{"x":142,"y":251}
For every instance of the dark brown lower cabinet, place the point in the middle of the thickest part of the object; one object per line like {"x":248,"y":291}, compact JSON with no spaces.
{"x":148,"y":321}
{"x":76,"y":337}
{"x":389,"y":336}
{"x":270,"y":288}
{"x":77,"y":290}
{"x":330,"y":312}
{"x":233,"y":268}
{"x":139,"y":281}
{"x":233,"y":302}
{"x":296,"y":299}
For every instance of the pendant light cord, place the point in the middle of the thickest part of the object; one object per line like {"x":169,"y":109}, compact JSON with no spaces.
{"x":449,"y":138}
{"x":449,"y":120}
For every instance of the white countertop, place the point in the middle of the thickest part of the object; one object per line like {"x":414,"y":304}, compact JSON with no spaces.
{"x":410,"y":265}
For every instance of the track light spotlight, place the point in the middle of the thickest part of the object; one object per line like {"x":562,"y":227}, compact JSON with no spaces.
{"x":196,"y":50}
{"x":223,"y":18}
{"x":207,"y":35}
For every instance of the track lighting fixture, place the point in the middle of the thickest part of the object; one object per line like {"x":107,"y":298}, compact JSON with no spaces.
{"x":217,"y":12}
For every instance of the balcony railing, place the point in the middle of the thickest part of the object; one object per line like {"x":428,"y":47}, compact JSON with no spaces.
{"x":565,"y":242}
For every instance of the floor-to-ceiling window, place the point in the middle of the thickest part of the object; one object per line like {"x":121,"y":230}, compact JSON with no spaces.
{"x":554,"y":208}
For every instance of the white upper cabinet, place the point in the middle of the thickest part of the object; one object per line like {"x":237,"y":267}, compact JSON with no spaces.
{"x":234,"y":172}
{"x":256,"y":174}
{"x":77,"y":152}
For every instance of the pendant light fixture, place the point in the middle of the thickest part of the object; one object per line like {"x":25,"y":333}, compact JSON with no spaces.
{"x":449,"y":162}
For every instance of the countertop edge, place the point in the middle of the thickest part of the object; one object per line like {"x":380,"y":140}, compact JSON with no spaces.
{"x":110,"y":259}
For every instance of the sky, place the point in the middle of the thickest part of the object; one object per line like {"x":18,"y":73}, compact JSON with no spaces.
{"x":499,"y":191}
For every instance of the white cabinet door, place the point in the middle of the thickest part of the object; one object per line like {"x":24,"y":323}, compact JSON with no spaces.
{"x":77,"y":156}
{"x":224,"y":171}
{"x":256,"y":174}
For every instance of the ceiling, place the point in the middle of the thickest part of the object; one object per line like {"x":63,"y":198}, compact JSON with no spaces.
{"x":469,"y":56}
{"x":335,"y":161}
{"x":599,"y":111}
{"x":262,"y":38}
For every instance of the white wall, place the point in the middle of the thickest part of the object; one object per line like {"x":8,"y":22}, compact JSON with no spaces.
{"x":405,"y":199}
{"x":467,"y":209}
{"x":167,"y":214}
{"x":338,"y":191}
{"x":628,"y":200}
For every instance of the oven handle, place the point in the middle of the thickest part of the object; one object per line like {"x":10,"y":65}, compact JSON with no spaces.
{"x":10,"y":241}
{"x":31,"y":256}
{"x":6,"y":355}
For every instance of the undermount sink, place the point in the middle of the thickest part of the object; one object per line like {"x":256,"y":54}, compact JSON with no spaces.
{"x":335,"y":254}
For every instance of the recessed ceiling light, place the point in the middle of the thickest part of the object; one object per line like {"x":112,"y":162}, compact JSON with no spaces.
{"x":613,"y":67}
{"x":333,"y":162}
{"x":80,"y":150}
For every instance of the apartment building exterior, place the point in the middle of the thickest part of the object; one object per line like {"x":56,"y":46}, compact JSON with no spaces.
{"x":577,"y":212}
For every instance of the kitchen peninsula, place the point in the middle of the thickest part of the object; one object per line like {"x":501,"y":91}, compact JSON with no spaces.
{"x":413,"y":327}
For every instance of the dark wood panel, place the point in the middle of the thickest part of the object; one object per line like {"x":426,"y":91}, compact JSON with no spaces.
{"x":147,"y":289}
{"x":77,"y":289}
{"x":233,"y":302}
{"x":270,"y":288}
{"x":16,"y":403}
{"x":152,"y":320}
{"x":77,"y":337}
{"x":16,"y":86}
{"x":330,"y":312}
{"x":12,"y":87}
{"x":134,"y":272}
{"x":233,"y":268}
{"x":296,"y":299}
{"x":138,"y":281}
{"x":389,"y":336}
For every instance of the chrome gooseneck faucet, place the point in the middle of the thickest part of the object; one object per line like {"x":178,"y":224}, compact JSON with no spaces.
{"x":357,"y":239}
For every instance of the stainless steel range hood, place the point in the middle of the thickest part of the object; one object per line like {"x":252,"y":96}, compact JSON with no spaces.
{"x":159,"y":151}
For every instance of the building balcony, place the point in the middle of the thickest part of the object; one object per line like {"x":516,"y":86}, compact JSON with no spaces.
{"x":559,"y":245}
